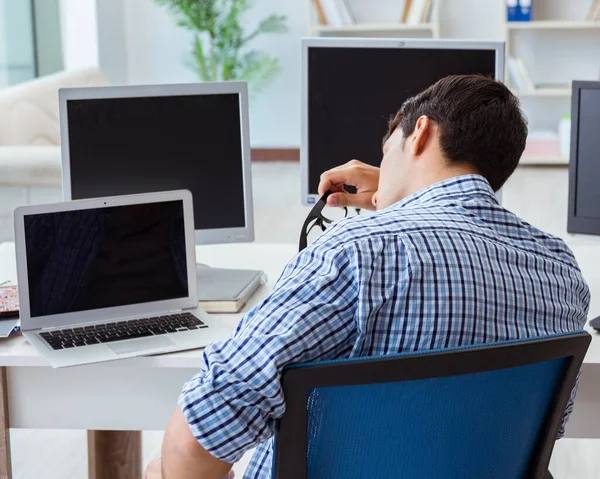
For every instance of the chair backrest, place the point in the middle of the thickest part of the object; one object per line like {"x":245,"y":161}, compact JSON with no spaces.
{"x":490,"y":411}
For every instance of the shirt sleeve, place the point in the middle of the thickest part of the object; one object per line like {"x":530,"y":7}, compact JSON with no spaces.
{"x":232,"y":404}
{"x":570,"y":407}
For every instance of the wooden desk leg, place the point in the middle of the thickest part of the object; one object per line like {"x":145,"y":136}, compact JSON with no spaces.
{"x":5,"y":465}
{"x":115,"y":454}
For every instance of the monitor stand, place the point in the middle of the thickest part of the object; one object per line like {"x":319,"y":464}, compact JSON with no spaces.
{"x":226,"y":290}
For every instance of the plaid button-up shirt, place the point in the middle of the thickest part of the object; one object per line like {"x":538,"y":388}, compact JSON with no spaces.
{"x":445,"y":267}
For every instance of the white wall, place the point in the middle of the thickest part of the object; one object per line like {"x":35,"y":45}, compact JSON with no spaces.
{"x":145,"y":46}
{"x":79,"y":33}
{"x":275,"y":113}
{"x":157,"y":50}
{"x":17,"y":52}
{"x":473,"y":19}
{"x":47,"y":32}
{"x":3,"y":45}
{"x":112,"y":51}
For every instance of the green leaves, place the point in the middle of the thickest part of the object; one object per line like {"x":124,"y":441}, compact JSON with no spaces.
{"x":220,"y":48}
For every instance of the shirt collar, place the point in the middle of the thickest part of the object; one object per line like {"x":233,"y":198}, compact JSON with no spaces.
{"x":463,"y":187}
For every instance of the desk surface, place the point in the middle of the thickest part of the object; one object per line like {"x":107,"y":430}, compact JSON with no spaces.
{"x":271,"y":258}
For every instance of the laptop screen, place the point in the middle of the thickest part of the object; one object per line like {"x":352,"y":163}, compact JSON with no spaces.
{"x":105,"y":257}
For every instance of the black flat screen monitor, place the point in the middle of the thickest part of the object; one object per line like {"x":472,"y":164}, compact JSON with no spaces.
{"x":352,"y":87}
{"x":584,"y":163}
{"x":144,"y":139}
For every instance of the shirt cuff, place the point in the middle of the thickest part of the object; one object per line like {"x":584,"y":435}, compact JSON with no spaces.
{"x":223,"y":430}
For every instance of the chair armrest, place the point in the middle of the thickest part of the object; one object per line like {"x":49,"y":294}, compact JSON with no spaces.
{"x":30,"y":165}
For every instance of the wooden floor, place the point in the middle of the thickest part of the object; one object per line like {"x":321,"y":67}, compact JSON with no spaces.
{"x":537,"y":194}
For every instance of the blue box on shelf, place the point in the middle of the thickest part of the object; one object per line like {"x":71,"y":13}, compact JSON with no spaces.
{"x":512,"y":10}
{"x":524,"y":14}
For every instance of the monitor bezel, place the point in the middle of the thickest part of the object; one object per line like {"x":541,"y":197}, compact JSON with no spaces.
{"x":202,"y":236}
{"x":29,"y":322}
{"x":307,"y":43}
{"x":578,"y":224}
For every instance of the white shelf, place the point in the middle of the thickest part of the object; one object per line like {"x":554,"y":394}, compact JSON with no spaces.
{"x":544,"y":160}
{"x":374,"y":27}
{"x":541,"y":92}
{"x":553,"y":25}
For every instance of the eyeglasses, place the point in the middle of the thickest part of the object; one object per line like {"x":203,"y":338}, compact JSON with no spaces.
{"x":316,"y":218}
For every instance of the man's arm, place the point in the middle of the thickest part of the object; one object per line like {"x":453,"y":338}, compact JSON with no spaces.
{"x":232,"y":405}
{"x":184,"y":458}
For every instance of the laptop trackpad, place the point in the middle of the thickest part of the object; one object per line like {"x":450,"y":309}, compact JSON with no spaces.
{"x":127,"y":347}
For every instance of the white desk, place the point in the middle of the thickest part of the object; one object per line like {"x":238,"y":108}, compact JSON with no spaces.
{"x":140,"y":393}
{"x":127,"y":395}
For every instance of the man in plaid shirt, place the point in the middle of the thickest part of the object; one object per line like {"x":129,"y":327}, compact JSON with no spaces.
{"x":439,"y":264}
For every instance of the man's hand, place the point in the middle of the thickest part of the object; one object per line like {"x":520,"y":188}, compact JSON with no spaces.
{"x":365,"y":178}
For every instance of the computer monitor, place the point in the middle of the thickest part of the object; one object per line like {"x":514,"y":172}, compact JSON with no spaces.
{"x":584,"y":163}
{"x":352,"y":86}
{"x":140,"y":139}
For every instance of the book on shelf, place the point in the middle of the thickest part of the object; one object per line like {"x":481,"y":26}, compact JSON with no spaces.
{"x":512,"y":10}
{"x":594,"y":14}
{"x":320,"y":13}
{"x":405,"y":11}
{"x":344,"y":9}
{"x":332,"y":15}
{"x":417,"y":11}
{"x":518,"y":10}
{"x":524,"y":11}
{"x":519,"y":75}
{"x":426,"y":17}
{"x":594,"y":11}
{"x":334,"y":12}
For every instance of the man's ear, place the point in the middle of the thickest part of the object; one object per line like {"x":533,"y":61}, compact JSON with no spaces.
{"x":421,"y":134}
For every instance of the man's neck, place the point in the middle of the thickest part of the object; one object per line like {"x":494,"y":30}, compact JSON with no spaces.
{"x":436,"y":175}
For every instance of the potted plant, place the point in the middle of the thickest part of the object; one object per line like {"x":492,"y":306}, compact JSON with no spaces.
{"x":221,"y":48}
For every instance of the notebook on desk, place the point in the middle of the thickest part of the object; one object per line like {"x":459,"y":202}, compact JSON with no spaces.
{"x":228,"y":291}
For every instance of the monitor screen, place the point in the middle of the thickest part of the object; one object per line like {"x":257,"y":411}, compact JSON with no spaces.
{"x":104,"y":257}
{"x":121,"y":146}
{"x":584,"y":194}
{"x":352,"y":92}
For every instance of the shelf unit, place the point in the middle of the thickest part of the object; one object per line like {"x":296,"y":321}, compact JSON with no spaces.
{"x":544,"y":92}
{"x":544,"y":161}
{"x":360,"y":29}
{"x":553,"y":25}
{"x":551,"y":45}
{"x":374,"y":27}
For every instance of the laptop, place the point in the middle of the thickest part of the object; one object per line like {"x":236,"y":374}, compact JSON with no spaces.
{"x":109,"y":278}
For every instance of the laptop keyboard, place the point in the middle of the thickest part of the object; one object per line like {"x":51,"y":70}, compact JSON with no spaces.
{"x":122,"y":330}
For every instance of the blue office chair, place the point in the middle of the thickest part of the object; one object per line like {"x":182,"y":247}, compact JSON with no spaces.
{"x":472,"y":412}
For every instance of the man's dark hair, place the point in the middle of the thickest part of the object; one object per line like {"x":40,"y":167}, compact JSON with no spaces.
{"x":480,"y":123}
